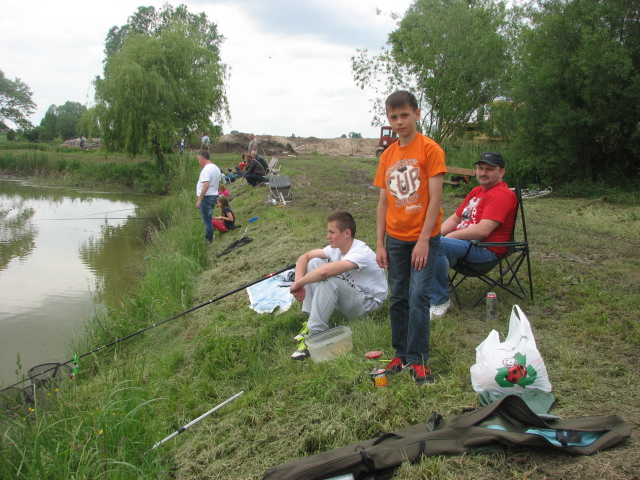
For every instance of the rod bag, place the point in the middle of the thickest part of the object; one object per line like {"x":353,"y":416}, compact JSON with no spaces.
{"x":504,"y":423}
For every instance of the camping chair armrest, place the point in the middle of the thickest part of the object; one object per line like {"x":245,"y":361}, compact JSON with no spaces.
{"x":478,"y":243}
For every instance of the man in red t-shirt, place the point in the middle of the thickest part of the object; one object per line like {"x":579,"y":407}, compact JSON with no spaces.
{"x":487,"y":214}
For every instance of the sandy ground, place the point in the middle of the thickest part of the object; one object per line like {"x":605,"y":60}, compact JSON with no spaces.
{"x":269,"y":145}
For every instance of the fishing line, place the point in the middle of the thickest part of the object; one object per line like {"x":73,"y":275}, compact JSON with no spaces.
{"x":102,"y":213}
{"x":110,"y":344}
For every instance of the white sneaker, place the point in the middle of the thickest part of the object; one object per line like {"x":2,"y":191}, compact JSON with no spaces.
{"x":440,"y":310}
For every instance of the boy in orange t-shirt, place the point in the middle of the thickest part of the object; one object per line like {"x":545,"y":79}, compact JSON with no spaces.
{"x":409,"y":215}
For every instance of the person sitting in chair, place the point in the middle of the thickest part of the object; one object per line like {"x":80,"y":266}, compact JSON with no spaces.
{"x":487,"y":214}
{"x":342,"y":276}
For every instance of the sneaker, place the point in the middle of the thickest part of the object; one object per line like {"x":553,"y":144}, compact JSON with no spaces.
{"x":301,"y":353}
{"x":395,"y":366}
{"x":304,"y":332}
{"x":440,"y":310}
{"x":421,"y":374}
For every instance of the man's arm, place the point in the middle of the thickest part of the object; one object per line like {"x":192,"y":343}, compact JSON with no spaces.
{"x":420,"y":251}
{"x":449,"y":225}
{"x":479,"y":231}
{"x":205,"y":187}
{"x":381,"y":229}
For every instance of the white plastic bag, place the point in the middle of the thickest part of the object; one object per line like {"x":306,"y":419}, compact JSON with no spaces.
{"x":513,"y":365}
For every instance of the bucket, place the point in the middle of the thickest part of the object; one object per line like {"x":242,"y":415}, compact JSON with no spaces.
{"x":326,"y":345}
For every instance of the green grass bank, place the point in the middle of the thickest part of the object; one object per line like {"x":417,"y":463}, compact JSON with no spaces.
{"x":128,"y":397}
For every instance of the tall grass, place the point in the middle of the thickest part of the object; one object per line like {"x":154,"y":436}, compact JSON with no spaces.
{"x":128,"y":397}
{"x":86,"y":168}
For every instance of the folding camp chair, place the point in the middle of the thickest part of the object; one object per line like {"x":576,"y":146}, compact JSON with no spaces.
{"x":280,"y":190}
{"x":274,"y":170}
{"x":508,"y":266}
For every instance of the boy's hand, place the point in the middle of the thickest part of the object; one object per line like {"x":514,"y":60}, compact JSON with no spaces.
{"x":381,"y":257}
{"x":297,"y":291}
{"x":419,"y":255}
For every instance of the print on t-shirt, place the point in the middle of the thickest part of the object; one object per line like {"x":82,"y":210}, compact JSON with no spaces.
{"x":403,"y":182}
{"x":469,"y":213}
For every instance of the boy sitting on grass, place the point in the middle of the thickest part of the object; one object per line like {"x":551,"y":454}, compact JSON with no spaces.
{"x":343,"y":276}
{"x":410,"y":177}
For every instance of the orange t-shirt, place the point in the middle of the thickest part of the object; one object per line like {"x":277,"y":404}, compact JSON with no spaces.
{"x":404,"y":172}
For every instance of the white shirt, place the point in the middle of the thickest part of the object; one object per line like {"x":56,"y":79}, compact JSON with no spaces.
{"x":210,"y":173}
{"x":368,"y":276}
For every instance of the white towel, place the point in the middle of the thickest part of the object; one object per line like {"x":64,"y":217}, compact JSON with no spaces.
{"x":269,"y":297}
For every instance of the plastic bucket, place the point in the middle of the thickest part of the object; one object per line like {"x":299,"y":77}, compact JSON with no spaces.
{"x":326,"y":345}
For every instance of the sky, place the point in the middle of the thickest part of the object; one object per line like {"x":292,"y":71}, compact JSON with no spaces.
{"x":289,"y":60}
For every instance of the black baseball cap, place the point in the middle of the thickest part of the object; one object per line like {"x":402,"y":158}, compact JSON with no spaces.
{"x":491,"y":158}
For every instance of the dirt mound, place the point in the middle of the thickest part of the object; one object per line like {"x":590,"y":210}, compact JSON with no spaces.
{"x":269,"y":145}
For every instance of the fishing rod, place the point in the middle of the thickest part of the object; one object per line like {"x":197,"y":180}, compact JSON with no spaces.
{"x":104,"y":218}
{"x":193,"y":422}
{"x":110,"y":344}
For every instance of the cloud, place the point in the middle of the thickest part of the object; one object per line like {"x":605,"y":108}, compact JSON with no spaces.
{"x":290,"y":61}
{"x":339,"y":22}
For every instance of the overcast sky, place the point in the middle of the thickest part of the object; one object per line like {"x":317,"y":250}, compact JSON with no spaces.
{"x":290,"y":60}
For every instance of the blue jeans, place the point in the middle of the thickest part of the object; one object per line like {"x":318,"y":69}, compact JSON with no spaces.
{"x":206,"y":212}
{"x":451,"y":251}
{"x":409,"y":303}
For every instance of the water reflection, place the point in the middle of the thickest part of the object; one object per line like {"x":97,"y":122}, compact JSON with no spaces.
{"x":63,"y":254}
{"x":17,"y":233}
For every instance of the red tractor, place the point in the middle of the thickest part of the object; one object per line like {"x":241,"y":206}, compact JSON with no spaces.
{"x":387,"y":138}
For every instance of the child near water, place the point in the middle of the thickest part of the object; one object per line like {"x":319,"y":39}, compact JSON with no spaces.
{"x":227,"y":220}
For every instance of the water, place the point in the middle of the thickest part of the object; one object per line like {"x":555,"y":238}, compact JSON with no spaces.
{"x":63,"y":255}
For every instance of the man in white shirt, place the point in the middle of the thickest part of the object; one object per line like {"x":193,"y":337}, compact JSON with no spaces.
{"x":207,"y":192}
{"x":343,"y":276}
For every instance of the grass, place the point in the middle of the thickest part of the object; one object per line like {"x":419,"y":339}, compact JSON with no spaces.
{"x":58,"y":165}
{"x":130,"y":396}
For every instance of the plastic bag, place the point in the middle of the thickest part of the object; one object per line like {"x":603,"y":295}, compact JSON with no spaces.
{"x":512,"y":366}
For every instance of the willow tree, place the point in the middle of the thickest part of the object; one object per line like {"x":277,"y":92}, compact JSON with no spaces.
{"x":152,"y":22}
{"x":452,"y":54}
{"x":157,"y":85}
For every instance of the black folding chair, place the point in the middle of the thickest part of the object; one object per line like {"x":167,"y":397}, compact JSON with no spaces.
{"x":508,"y":267}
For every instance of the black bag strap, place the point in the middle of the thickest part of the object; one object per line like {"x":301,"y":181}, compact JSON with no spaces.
{"x":385,"y":437}
{"x":434,"y":421}
{"x":367,"y":462}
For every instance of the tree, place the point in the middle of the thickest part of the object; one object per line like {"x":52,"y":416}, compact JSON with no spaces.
{"x":88,"y":125}
{"x":16,"y":104}
{"x":61,"y":121}
{"x":355,"y":135}
{"x":158,"y":85}
{"x":49,"y":125}
{"x":151,"y":22}
{"x":578,"y":82}
{"x":451,"y":53}
{"x":69,"y":116}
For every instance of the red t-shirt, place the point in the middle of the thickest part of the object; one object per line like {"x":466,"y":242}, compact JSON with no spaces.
{"x":404,"y":173}
{"x":498,"y":203}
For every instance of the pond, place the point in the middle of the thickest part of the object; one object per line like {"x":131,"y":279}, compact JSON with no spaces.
{"x":64,"y":254}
